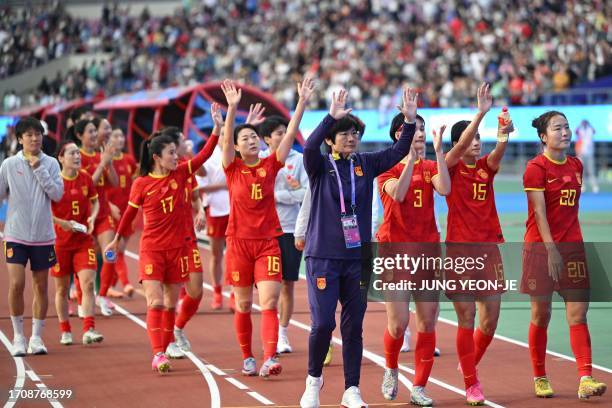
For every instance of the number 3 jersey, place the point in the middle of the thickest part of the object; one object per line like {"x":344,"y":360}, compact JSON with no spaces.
{"x":472,"y":215}
{"x":251,"y":191}
{"x":75,"y":205}
{"x":561,"y":183}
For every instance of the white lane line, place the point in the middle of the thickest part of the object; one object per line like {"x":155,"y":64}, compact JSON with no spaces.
{"x":20,"y":367}
{"x":497,"y":336}
{"x":375,"y":358}
{"x":196,"y":360}
{"x":21,"y":376}
{"x":260,"y":398}
{"x":215,"y":396}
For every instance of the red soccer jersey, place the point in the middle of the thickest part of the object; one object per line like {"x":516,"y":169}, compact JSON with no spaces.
{"x":412,"y":220}
{"x":561,"y":183}
{"x":75,"y":205}
{"x":472,"y":215}
{"x":162,"y":201}
{"x":251,"y":190}
{"x":125,"y":166}
{"x":186,"y":207}
{"x":89,"y":163}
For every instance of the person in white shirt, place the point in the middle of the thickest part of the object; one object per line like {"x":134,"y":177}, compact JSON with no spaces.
{"x":585,"y":150}
{"x":289,"y":191}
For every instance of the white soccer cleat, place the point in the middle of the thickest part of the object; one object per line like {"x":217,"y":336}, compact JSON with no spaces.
{"x":36,"y":346}
{"x":66,"y":338}
{"x":310,"y":398}
{"x":173,"y":351}
{"x":283,"y":345}
{"x":249,"y":367}
{"x":352,"y":398}
{"x":91,"y":336}
{"x":20,"y":345}
{"x":105,"y":306}
{"x":390,"y":384}
{"x":181,"y":340}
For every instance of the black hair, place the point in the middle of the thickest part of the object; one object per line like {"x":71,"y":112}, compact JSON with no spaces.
{"x":397,"y":122}
{"x":28,"y":123}
{"x":457,"y":129}
{"x":76,"y":114}
{"x":172,"y":131}
{"x":78,"y":129}
{"x":346,"y":123}
{"x":542,"y":121}
{"x":241,"y":127}
{"x":270,"y":124}
{"x":154,"y":145}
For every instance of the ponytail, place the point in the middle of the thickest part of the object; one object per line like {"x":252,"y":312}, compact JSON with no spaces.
{"x":152,"y":146}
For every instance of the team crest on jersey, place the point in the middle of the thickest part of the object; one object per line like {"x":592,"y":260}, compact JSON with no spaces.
{"x":579,"y":178}
{"x":321,"y":283}
{"x":532,"y":284}
{"x":173,"y":184}
{"x":358,"y":171}
{"x":261,"y":172}
{"x":483,"y":174}
{"x":235,"y":276}
{"x":9,"y":253}
{"x":85,"y":190}
{"x":148,"y":269}
{"x":427,"y":175}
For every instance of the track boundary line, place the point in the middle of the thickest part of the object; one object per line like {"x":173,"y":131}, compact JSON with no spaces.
{"x":21,"y":376}
{"x":209,"y":368}
{"x":496,"y":336}
{"x":215,"y":396}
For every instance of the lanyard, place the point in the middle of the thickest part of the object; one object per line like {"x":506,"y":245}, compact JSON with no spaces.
{"x":342,"y":207}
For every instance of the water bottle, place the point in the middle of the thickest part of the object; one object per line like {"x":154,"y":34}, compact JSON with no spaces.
{"x":503,"y":120}
{"x":111,"y":256}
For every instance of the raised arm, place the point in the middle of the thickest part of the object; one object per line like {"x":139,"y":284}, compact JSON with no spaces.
{"x":398,"y":188}
{"x":383,"y":160}
{"x":495,"y":157}
{"x":442,"y":183}
{"x":233,"y":96}
{"x":485,"y":100}
{"x":304,"y":90}
{"x":255,"y":116}
{"x":313,"y":159}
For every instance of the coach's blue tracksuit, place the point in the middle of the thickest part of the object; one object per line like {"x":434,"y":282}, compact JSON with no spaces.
{"x":334,"y":271}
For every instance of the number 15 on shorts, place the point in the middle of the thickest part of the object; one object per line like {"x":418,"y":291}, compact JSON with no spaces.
{"x":273,"y":265}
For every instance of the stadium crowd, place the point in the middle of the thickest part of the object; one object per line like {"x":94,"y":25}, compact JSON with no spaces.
{"x":524,"y":49}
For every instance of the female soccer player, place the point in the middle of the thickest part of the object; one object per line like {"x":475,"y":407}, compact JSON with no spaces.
{"x":163,"y":265}
{"x":253,"y":254}
{"x":472,"y":218}
{"x":74,"y":218}
{"x":407,"y":193}
{"x":190,"y":299}
{"x":289,"y":192}
{"x":127,"y":169}
{"x":340,"y":223}
{"x":554,"y":258}
{"x":99,"y":165}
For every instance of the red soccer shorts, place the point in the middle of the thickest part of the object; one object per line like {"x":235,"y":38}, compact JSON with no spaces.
{"x":536,"y":280}
{"x":216,"y":226}
{"x":249,"y":261}
{"x":71,"y":261}
{"x":167,"y":266}
{"x":479,"y":262}
{"x":193,"y":258}
{"x":104,"y":224}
